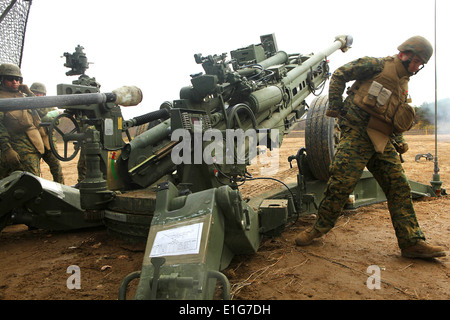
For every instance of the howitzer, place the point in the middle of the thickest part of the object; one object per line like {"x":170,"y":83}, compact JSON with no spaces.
{"x":176,"y":184}
{"x":201,"y":221}
{"x":28,"y":200}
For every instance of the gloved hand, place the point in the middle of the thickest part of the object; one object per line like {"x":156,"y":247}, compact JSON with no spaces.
{"x":332,"y":113}
{"x":25,"y":89}
{"x":401,"y":147}
{"x":11,"y":157}
{"x":335,"y":108}
{"x":399,"y":143}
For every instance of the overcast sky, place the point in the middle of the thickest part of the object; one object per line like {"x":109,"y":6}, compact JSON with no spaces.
{"x":151,"y":44}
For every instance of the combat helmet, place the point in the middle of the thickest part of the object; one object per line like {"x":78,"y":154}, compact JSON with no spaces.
{"x":38,"y":87}
{"x":8,"y":69}
{"x":419,"y":45}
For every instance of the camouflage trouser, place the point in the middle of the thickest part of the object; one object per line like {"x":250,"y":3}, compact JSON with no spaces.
{"x":354,"y":153}
{"x":81,"y":166}
{"x":54,"y":165}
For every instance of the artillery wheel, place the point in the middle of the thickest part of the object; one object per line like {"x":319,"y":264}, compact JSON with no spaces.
{"x":322,"y":135}
{"x":65,"y":136}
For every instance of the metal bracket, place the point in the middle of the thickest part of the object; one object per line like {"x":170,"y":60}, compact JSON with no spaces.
{"x":427,"y":156}
{"x":157,"y":263}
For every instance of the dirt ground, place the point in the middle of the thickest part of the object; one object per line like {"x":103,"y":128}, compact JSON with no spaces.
{"x":34,"y":263}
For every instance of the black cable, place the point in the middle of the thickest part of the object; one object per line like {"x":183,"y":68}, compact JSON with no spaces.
{"x":268,"y":178}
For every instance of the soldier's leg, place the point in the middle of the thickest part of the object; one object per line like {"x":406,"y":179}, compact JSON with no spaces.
{"x":350,"y":159}
{"x":54,"y":165}
{"x":81,"y":166}
{"x":388,"y":171}
{"x":31,"y":162}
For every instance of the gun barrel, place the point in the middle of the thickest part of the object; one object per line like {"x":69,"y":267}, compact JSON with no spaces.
{"x":124,"y":96}
{"x":341,"y":42}
{"x":9,"y":104}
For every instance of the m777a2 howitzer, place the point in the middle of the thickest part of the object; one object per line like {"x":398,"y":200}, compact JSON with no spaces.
{"x":176,"y":185}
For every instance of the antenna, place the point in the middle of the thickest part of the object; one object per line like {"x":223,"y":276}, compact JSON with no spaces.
{"x":436,"y":183}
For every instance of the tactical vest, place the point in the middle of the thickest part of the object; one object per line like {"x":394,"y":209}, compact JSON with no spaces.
{"x":385,"y":97}
{"x":22,"y":121}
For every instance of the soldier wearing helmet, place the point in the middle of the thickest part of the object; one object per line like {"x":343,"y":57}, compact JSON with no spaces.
{"x":10,"y":76}
{"x":39,"y":89}
{"x":417,"y":48}
{"x":21,"y":143}
{"x":372,"y":118}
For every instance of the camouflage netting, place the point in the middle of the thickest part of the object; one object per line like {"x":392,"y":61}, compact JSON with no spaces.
{"x":13,"y":23}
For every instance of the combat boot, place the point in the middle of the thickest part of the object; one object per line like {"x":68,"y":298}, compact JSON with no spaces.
{"x":307,"y":236}
{"x":423,"y":250}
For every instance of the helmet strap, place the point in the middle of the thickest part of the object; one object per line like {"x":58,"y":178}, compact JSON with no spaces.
{"x":406,"y":64}
{"x":419,"y":69}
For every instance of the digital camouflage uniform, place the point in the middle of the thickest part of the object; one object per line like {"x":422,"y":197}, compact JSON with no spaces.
{"x":18,"y":141}
{"x":356,"y":151}
{"x":48,"y":156}
{"x":53,"y":163}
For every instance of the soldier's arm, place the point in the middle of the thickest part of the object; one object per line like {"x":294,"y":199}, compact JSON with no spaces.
{"x":4,"y":136}
{"x":360,"y":69}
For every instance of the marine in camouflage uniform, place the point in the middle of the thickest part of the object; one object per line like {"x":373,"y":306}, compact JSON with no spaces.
{"x":53,"y":163}
{"x":356,"y":150}
{"x":21,"y":144}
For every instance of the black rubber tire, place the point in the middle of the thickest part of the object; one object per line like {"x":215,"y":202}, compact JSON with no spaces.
{"x":129,"y":215}
{"x":321,"y":138}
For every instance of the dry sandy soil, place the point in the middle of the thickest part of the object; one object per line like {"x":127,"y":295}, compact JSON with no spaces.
{"x":34,"y":263}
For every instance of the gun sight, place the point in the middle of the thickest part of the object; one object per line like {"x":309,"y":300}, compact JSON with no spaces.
{"x":77,"y":61}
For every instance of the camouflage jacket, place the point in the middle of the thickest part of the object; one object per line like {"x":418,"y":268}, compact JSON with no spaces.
{"x":352,"y":115}
{"x":18,"y":141}
{"x":360,"y":69}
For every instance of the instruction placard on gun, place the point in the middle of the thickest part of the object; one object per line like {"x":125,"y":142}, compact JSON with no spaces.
{"x":177,"y":241}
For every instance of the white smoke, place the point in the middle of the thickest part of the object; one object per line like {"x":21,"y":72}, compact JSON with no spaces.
{"x":441,"y":113}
